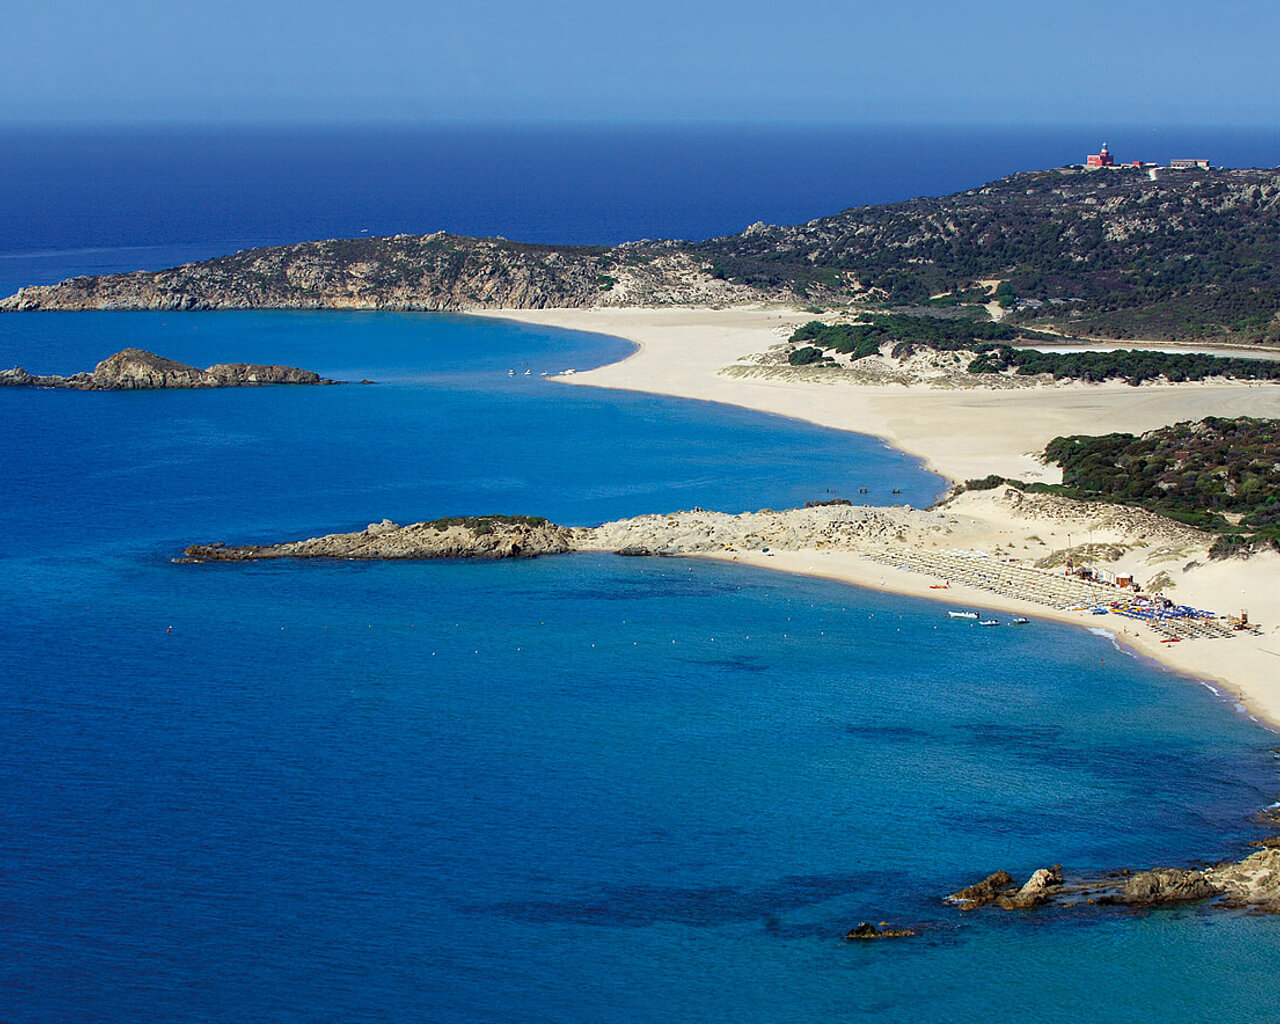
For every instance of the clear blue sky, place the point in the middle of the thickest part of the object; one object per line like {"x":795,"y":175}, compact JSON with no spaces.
{"x":1079,"y":61}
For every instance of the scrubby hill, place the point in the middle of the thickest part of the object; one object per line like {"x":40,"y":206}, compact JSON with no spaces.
{"x":1218,"y":474}
{"x":1192,"y":254}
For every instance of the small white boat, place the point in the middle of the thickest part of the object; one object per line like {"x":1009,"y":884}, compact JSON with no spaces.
{"x":511,"y":373}
{"x":1019,"y":620}
{"x":989,"y":622}
{"x":963,"y":615}
{"x":527,"y":372}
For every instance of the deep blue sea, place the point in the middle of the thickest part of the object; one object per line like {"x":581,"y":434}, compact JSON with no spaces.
{"x":575,"y":789}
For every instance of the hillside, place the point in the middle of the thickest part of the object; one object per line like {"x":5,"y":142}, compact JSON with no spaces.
{"x":1193,"y":254}
{"x":1217,"y":474}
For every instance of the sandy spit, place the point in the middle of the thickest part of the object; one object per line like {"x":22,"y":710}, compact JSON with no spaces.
{"x":965,"y":434}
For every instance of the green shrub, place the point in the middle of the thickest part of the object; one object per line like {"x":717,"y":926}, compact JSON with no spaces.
{"x":806,"y":356}
{"x":1194,"y":472}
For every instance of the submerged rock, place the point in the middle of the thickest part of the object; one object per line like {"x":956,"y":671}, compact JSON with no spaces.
{"x":866,"y":930}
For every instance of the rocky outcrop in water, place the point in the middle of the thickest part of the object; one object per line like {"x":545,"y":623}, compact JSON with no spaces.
{"x":135,"y":369}
{"x":1165,"y":885}
{"x":981,"y":893}
{"x":866,"y":930}
{"x":1252,"y":882}
{"x":1036,"y":890}
{"x":459,"y":537}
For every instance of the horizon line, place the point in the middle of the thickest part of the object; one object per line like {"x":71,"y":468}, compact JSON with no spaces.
{"x":446,"y":121}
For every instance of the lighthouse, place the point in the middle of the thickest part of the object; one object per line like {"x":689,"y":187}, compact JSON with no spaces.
{"x":1102,"y":159}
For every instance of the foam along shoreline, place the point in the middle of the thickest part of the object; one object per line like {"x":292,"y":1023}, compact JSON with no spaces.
{"x":966,"y":434}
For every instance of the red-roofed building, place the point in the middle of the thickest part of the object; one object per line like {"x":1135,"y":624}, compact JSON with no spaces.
{"x":1103,"y":159}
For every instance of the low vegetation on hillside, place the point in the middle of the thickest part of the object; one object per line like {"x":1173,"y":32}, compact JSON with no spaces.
{"x":1217,"y":474}
{"x":906,"y":332}
{"x":993,"y":353}
{"x":1132,"y":365}
{"x":1193,"y":254}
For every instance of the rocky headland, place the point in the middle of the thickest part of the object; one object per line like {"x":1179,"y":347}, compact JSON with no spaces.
{"x":456,"y":537}
{"x":436,"y":272}
{"x":1003,"y":543}
{"x":838,"y":525}
{"x":1099,"y":254}
{"x":135,"y":369}
{"x":1004,"y":548}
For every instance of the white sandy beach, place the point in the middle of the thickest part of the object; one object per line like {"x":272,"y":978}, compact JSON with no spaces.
{"x":964,"y":434}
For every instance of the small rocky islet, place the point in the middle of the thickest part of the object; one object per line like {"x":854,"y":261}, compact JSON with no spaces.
{"x":494,"y":537}
{"x":135,"y":369}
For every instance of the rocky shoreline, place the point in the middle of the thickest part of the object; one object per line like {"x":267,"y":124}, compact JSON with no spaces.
{"x":940,"y":542}
{"x":457,"y":537}
{"x":135,"y":369}
{"x":408,"y":273}
{"x":1251,"y":883}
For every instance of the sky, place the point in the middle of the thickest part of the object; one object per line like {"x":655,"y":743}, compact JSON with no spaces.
{"x":986,"y":61}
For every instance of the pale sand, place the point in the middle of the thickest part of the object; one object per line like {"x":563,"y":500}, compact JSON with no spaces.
{"x":960,"y":434}
{"x":964,"y":434}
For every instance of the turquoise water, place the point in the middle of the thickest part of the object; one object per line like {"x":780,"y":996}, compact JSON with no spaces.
{"x":445,"y":431}
{"x":574,"y":789}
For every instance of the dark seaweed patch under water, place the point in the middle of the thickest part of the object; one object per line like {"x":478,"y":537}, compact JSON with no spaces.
{"x":642,"y":906}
